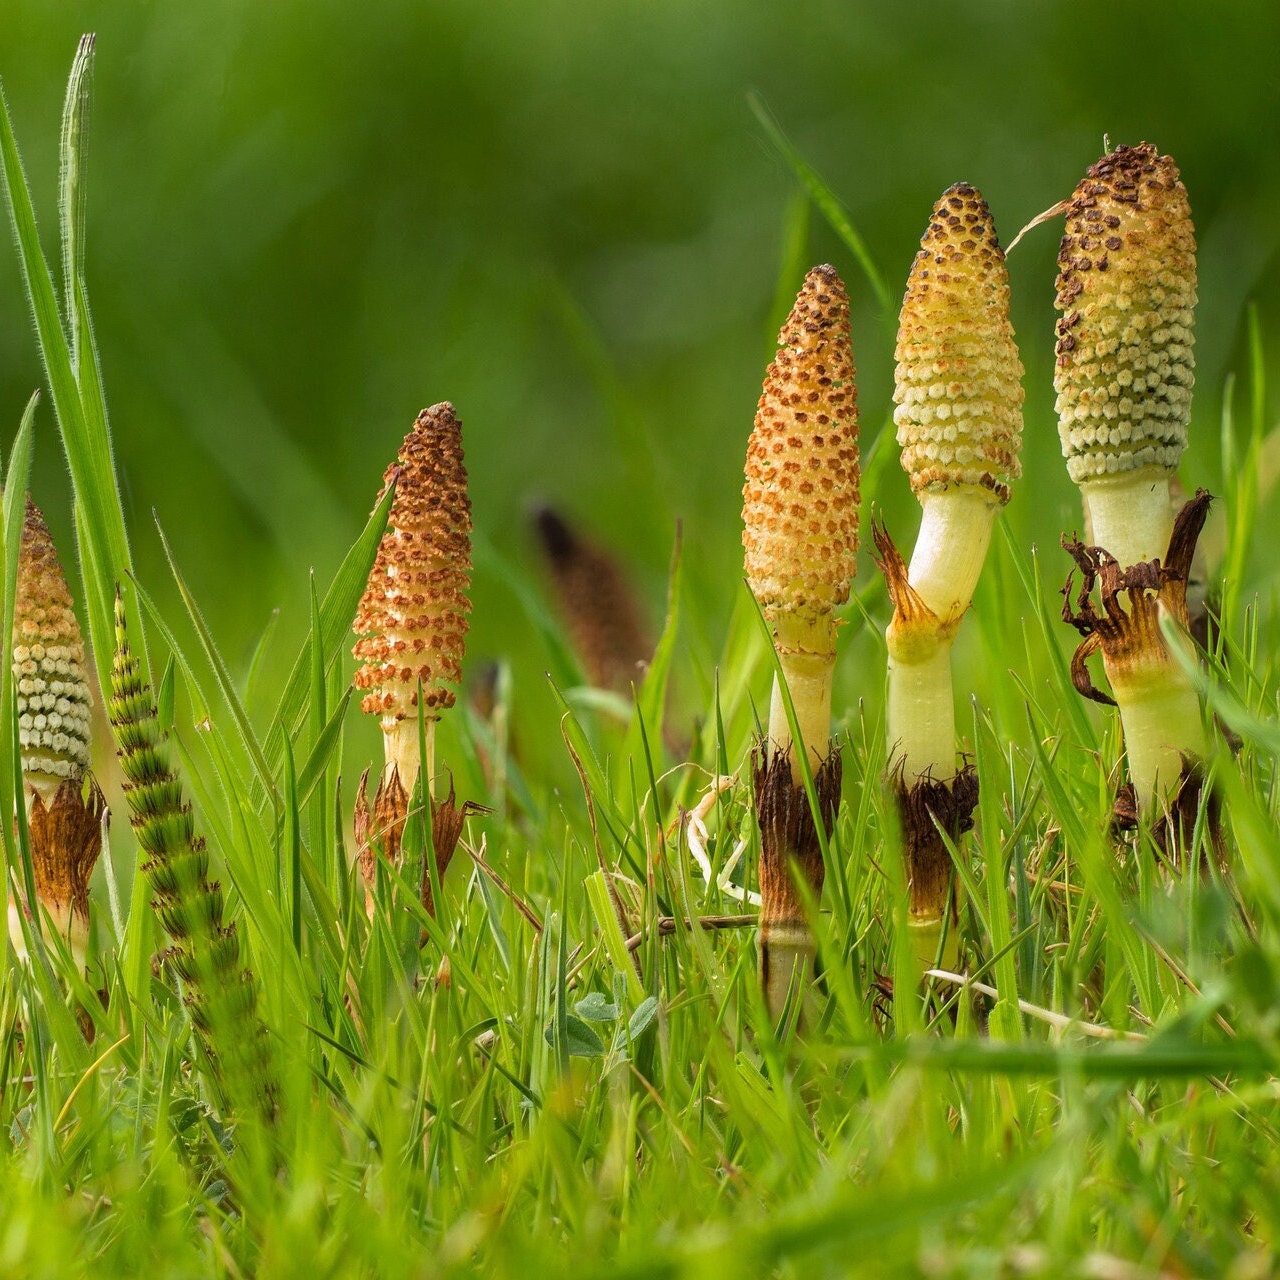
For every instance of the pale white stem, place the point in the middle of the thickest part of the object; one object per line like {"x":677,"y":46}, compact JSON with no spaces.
{"x":401,"y":750}
{"x":1130,"y":515}
{"x":925,"y":936}
{"x":65,"y":922}
{"x":1160,"y":712}
{"x":955,"y":532}
{"x":922,"y":715}
{"x":807,"y":655}
{"x":792,"y":951}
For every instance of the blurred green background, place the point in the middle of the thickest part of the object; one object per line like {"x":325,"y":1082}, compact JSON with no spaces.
{"x":308,"y":220}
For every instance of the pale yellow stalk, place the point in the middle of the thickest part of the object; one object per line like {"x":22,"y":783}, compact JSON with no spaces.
{"x":959,"y":420}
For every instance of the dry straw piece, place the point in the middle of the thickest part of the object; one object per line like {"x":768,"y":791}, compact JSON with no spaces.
{"x":53,"y":706}
{"x":800,"y":537}
{"x":1125,"y":372}
{"x":412,"y":623}
{"x":1126,"y":346}
{"x":959,"y":420}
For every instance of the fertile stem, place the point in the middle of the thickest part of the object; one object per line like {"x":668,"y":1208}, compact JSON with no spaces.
{"x":53,"y":708}
{"x":402,"y":751}
{"x":800,"y":538}
{"x":1159,"y":707}
{"x":1129,"y":514}
{"x":1124,"y":373}
{"x":807,"y":655}
{"x":412,"y":627}
{"x":959,"y":420}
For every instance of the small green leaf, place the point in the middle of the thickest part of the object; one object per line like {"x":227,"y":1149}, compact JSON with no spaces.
{"x":580,"y":1040}
{"x":596,"y":1007}
{"x":642,"y":1018}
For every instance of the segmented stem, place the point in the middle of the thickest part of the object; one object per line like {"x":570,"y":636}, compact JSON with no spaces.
{"x":219,"y":991}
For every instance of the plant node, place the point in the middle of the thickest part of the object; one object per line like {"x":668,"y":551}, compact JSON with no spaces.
{"x":790,"y":848}
{"x":1159,"y":708}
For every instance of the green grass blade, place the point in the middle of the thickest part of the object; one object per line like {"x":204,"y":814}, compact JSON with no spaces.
{"x":825,"y":201}
{"x":248,"y":738}
{"x":15,"y":505}
{"x":100,"y":517}
{"x":73,"y":192}
{"x":336,"y":612}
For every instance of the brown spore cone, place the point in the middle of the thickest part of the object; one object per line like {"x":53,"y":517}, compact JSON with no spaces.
{"x":800,"y":499}
{"x":598,"y":604}
{"x":413,"y":617}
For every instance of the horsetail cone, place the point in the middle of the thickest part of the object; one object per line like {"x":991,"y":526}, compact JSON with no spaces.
{"x":53,"y":704}
{"x":958,"y":391}
{"x":598,"y":603}
{"x":53,"y":698}
{"x":800,"y":501}
{"x":412,"y":619}
{"x":412,"y":626}
{"x":800,"y":537}
{"x":1125,"y":352}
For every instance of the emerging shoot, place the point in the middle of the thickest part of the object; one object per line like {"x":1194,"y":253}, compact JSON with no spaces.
{"x":959,"y":420}
{"x":800,"y":536}
{"x":220,"y":993}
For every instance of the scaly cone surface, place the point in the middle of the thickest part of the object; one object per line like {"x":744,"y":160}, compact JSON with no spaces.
{"x":53,"y":705}
{"x":800,"y":538}
{"x":53,"y":700}
{"x":1126,"y":346}
{"x":958,"y":389}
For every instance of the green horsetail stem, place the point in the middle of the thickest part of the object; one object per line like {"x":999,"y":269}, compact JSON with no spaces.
{"x":958,"y":388}
{"x":220,"y":993}
{"x":800,"y":543}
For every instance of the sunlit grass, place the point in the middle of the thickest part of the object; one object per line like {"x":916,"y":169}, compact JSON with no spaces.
{"x":584,"y":1088}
